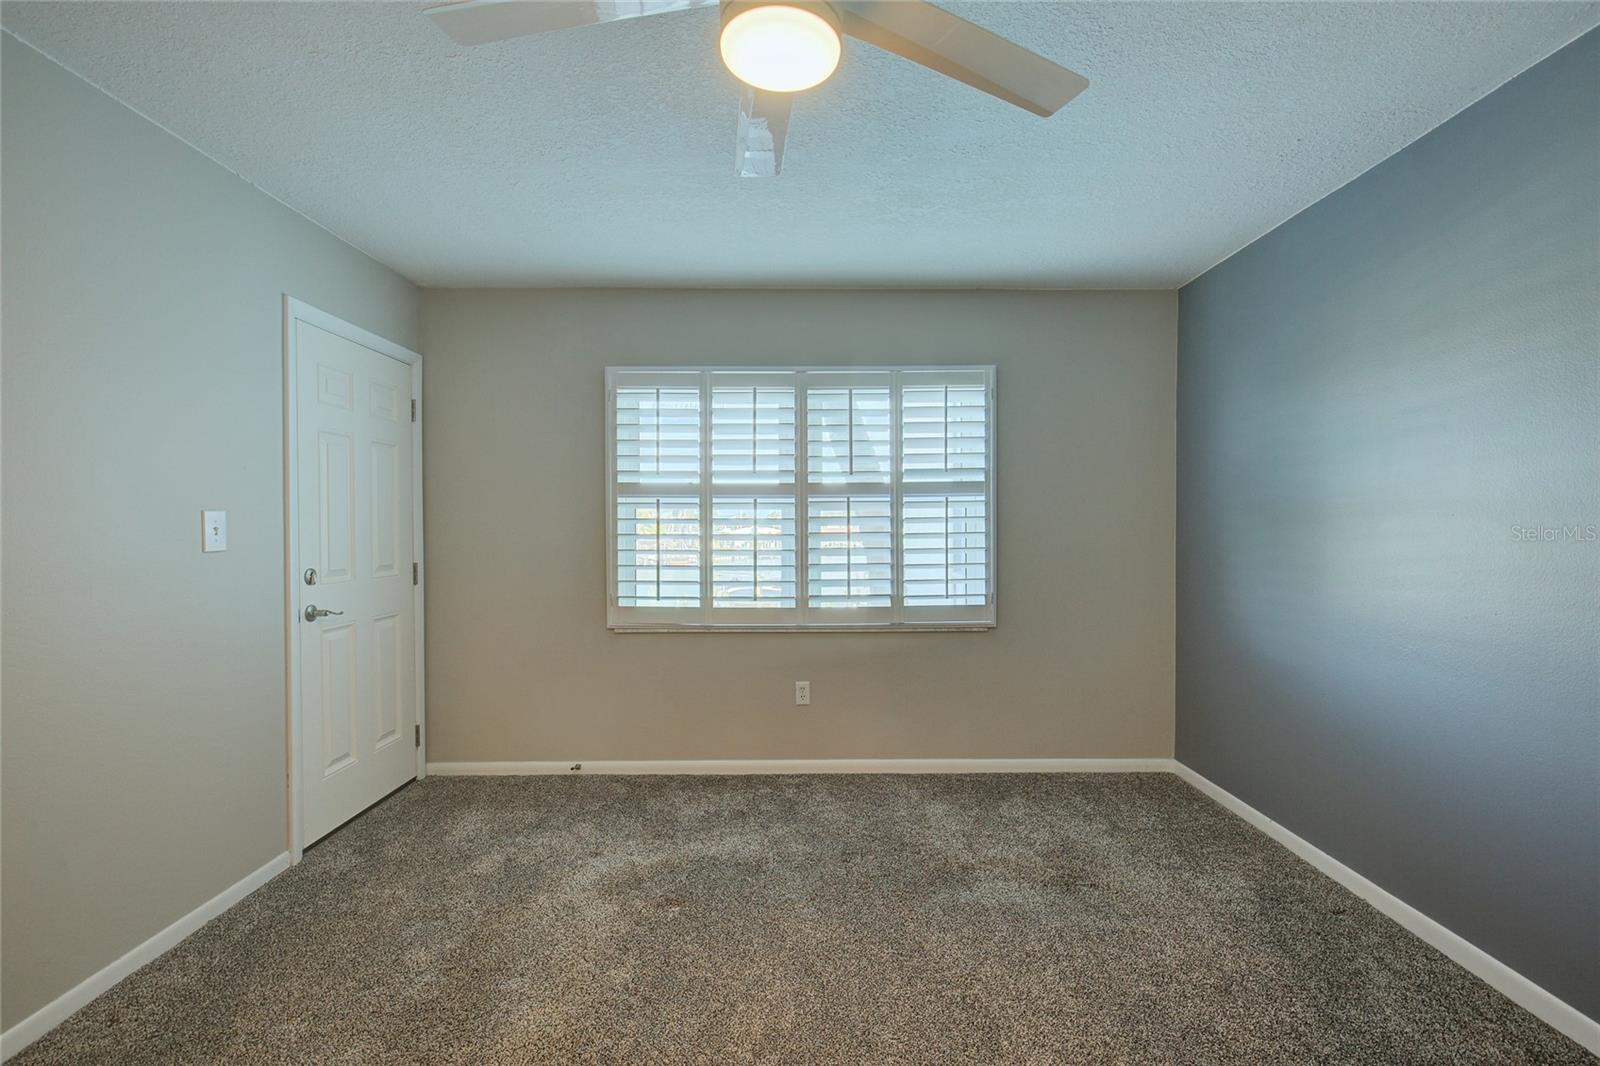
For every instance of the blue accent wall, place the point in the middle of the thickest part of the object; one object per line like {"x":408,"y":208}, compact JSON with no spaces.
{"x":1389,"y":524}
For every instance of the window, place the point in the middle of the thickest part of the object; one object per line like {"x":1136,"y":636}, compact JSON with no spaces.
{"x":800,"y":499}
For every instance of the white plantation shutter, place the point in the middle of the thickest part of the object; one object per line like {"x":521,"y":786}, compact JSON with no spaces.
{"x":752,"y":433}
{"x":753,"y":552}
{"x":656,"y":517}
{"x":658,"y":435}
{"x":752,"y":498}
{"x":658,"y":552}
{"x":946,"y":432}
{"x":849,"y":436}
{"x":801,"y":498}
{"x":850,"y":551}
{"x":945,"y":550}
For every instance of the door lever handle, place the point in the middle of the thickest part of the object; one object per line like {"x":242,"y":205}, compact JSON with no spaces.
{"x":313,"y":612}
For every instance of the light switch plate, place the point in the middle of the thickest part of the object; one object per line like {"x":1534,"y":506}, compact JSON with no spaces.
{"x":213,"y":531}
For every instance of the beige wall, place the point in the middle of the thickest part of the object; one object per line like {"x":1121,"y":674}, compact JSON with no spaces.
{"x":143,"y":693}
{"x":521,"y":666}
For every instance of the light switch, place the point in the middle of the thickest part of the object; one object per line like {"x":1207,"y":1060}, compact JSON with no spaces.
{"x":214,"y":531}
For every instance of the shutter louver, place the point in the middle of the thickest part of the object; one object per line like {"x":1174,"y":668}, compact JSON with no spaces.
{"x":658,"y":552}
{"x":850,"y":551}
{"x":752,"y":435}
{"x":848,"y":436}
{"x":945,"y":436}
{"x":752,"y":552}
{"x":944,"y":550}
{"x":658,"y":435}
{"x":753,"y":535}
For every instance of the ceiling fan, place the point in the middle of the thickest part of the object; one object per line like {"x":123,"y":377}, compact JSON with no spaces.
{"x":777,"y":48}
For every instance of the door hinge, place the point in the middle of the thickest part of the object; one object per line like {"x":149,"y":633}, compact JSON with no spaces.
{"x":413,"y":573}
{"x":413,"y":410}
{"x":419,"y":734}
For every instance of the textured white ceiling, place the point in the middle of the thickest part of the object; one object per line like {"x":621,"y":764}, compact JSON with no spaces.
{"x":603,"y":155}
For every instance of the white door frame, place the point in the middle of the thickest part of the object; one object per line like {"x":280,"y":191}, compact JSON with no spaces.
{"x":298,"y":311}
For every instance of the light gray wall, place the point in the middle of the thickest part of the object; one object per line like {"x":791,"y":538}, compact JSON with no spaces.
{"x":143,"y":682}
{"x":1372,"y":400}
{"x":521,"y":666}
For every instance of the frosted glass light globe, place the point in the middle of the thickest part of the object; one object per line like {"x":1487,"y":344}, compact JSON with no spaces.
{"x":779,"y":48}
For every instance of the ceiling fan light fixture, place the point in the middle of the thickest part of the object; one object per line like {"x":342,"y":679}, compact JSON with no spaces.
{"x":780,"y":48}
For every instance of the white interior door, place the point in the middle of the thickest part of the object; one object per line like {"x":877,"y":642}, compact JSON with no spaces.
{"x":357,"y":646}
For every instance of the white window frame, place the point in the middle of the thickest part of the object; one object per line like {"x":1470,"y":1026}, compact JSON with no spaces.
{"x":802,"y":617}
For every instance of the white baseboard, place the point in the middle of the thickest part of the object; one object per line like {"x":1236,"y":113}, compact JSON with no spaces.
{"x":808,"y":766}
{"x":71,"y":1001}
{"x":1556,"y":1013}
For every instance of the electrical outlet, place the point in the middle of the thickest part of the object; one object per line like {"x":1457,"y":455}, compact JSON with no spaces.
{"x":802,"y":693}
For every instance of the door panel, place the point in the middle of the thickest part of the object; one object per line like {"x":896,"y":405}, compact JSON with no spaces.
{"x":334,"y":387}
{"x":338,"y":668}
{"x":387,"y":681}
{"x":386,"y":401}
{"x":358,"y":664}
{"x":336,"y":483}
{"x":386,"y":520}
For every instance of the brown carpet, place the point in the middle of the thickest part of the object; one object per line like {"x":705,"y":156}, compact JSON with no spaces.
{"x":839,"y":920}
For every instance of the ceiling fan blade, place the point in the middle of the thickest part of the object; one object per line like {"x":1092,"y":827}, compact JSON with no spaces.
{"x":954,"y":47}
{"x":485,"y":21}
{"x":763,"y":127}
